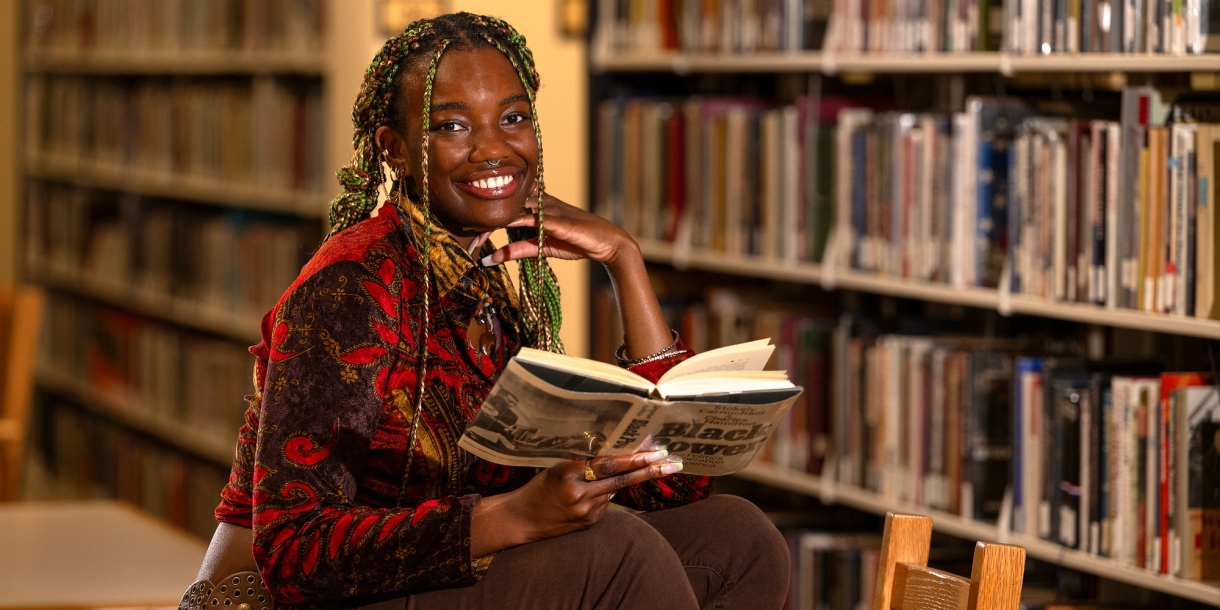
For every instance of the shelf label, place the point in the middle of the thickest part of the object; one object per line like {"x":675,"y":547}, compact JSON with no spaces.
{"x":827,"y":491}
{"x":682,"y":244}
{"x":830,"y":263}
{"x":829,"y":67}
{"x":1004,"y":304}
{"x":1004,"y":522}
{"x":1006,"y":65}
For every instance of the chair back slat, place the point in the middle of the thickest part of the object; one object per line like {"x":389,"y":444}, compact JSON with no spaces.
{"x":917,"y":588}
{"x":995,"y":579}
{"x":905,"y":582}
{"x":906,"y":540}
{"x":20,"y":317}
{"x":7,"y":297}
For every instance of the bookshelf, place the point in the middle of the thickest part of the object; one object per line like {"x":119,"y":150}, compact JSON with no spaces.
{"x":983,"y":298}
{"x":196,"y":192}
{"x":131,"y":414}
{"x":830,"y":492}
{"x":89,"y":206}
{"x":187,"y":313}
{"x":673,"y":89}
{"x":152,"y":183}
{"x":58,"y":61}
{"x":908,"y":63}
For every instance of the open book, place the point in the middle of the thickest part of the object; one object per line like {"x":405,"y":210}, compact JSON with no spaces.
{"x":714,"y":410}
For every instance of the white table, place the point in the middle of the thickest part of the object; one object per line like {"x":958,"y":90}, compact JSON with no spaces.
{"x":93,"y":554}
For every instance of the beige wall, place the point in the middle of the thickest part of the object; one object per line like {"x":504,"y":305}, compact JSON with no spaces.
{"x":9,"y":144}
{"x":561,"y":107}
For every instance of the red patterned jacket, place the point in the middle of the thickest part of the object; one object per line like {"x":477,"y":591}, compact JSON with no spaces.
{"x":320,"y":471}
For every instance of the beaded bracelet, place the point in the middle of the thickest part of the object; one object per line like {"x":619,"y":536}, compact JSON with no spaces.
{"x":671,"y":350}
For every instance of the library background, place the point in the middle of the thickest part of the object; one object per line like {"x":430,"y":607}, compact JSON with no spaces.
{"x":982,"y":234}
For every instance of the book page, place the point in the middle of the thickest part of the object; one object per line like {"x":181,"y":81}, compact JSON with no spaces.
{"x":751,"y":356}
{"x":724,"y":381}
{"x":592,"y":368}
{"x":527,"y":422}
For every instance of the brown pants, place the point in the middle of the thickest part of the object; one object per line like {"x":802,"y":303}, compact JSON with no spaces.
{"x":720,"y":553}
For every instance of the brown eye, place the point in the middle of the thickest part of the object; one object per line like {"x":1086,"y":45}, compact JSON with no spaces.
{"x":516,"y":117}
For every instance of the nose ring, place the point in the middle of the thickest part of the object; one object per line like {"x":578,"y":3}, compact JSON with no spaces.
{"x":493,"y":162}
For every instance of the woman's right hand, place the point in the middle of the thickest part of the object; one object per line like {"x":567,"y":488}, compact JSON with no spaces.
{"x":559,"y":500}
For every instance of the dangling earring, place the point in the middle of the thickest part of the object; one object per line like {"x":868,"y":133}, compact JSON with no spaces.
{"x":386,"y":188}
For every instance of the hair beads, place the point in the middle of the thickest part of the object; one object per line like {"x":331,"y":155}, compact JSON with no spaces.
{"x":377,"y":104}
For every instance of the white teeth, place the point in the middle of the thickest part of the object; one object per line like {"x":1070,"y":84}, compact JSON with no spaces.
{"x":494,"y":182}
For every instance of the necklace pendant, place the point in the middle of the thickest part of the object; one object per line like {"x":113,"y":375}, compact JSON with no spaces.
{"x":487,"y":343}
{"x":485,"y":318}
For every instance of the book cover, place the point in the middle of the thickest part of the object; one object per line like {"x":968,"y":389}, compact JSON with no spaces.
{"x":994,"y":122}
{"x":1026,"y":444}
{"x":1064,"y":384}
{"x":1168,"y":469}
{"x":1198,"y":412}
{"x":987,"y":425}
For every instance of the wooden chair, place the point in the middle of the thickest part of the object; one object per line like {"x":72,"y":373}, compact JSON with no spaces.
{"x":905,"y":582}
{"x":20,"y":314}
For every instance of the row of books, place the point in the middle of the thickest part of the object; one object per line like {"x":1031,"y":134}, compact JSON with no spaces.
{"x":263,"y":131}
{"x":915,"y":26}
{"x":965,"y":424}
{"x":1119,"y":461}
{"x":96,"y":458}
{"x":949,"y":424}
{"x":228,"y":261}
{"x":1115,"y":213}
{"x":1023,"y":27}
{"x":711,"y":26}
{"x":1111,"y":26}
{"x":954,"y":427}
{"x":170,"y":26}
{"x":727,"y":174}
{"x":832,"y":571}
{"x":168,"y":378}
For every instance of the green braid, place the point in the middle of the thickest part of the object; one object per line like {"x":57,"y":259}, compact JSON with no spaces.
{"x":361,"y":177}
{"x":540,"y":299}
{"x":427,"y":128}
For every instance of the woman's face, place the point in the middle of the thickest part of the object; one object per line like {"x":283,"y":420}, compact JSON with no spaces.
{"x":484,"y":155}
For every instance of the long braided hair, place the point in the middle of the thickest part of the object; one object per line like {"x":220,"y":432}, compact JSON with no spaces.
{"x":379,"y":103}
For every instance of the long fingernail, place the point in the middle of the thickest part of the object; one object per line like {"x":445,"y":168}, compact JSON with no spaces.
{"x":656,"y":456}
{"x":668,"y":469}
{"x":487,"y":262}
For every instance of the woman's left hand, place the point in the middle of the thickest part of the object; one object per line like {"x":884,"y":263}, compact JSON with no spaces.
{"x":571,"y":233}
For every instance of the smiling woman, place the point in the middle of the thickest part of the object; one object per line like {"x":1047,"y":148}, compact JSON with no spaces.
{"x":380,"y":354}
{"x":483,"y":147}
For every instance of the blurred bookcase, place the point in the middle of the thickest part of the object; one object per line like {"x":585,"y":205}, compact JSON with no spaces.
{"x":797,"y":170}
{"x":175,"y":178}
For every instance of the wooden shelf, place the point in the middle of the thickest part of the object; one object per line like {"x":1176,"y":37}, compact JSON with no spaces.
{"x":833,"y":63}
{"x":175,"y":310}
{"x":130,"y":413}
{"x":200,"y":189}
{"x":103,"y":62}
{"x":808,"y":273}
{"x":954,"y":525}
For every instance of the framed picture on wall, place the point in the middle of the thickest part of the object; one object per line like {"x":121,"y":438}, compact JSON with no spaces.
{"x":393,"y":16}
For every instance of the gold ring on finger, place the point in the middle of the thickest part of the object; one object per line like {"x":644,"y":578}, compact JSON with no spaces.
{"x":589,"y":474}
